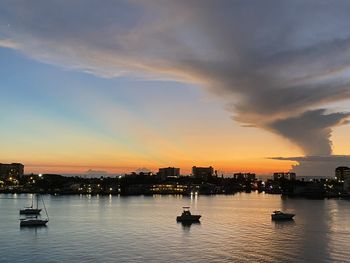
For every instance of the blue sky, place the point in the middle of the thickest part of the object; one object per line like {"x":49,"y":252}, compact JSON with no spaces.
{"x":127,"y":84}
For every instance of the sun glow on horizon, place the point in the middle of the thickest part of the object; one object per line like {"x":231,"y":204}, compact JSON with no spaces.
{"x":158,"y":85}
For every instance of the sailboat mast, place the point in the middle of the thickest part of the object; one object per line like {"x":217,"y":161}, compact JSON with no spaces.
{"x":47,"y":215}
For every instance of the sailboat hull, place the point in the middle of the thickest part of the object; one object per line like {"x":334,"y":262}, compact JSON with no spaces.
{"x":30,"y":211}
{"x":33,"y":222}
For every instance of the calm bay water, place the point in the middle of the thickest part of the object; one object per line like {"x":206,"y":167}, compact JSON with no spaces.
{"x":234,"y":228}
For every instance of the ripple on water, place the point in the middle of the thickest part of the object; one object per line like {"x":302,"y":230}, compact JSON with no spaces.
{"x":143,"y":229}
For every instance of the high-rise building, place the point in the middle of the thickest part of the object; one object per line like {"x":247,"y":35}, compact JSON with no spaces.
{"x":164,"y":173}
{"x":346,"y":184}
{"x":341,"y":172}
{"x":282,"y":175}
{"x":202,"y":172}
{"x":15,"y":170}
{"x":244,"y":176}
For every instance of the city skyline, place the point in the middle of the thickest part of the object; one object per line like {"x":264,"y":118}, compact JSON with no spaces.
{"x":115,"y":87}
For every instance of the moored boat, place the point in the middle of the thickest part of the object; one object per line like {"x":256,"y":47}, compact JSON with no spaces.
{"x":30,"y":210}
{"x":187,"y":217}
{"x":278,"y":215}
{"x":35,"y":219}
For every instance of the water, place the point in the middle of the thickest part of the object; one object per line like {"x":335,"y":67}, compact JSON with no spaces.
{"x":143,"y":229}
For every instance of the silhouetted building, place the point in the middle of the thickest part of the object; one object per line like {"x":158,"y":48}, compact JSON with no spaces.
{"x":281,"y":175}
{"x":244,"y":176}
{"x":202,"y":172}
{"x":346,"y":184}
{"x":164,"y":173}
{"x":341,"y":172}
{"x":169,"y":188}
{"x":309,"y":190}
{"x":14,"y":170}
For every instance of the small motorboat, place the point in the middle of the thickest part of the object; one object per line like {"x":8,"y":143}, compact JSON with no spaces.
{"x":278,"y":215}
{"x":187,"y":217}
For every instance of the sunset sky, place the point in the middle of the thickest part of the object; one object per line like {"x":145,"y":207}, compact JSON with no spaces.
{"x":119,"y":85}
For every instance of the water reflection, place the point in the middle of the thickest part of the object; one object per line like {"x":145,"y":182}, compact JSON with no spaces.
{"x":313,"y":224}
{"x":284,"y":223}
{"x":143,"y":229}
{"x":186,"y":226}
{"x":33,"y":228}
{"x":34,"y":231}
{"x":194,"y":199}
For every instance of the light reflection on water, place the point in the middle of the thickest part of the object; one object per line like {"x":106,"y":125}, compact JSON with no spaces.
{"x":143,"y":229}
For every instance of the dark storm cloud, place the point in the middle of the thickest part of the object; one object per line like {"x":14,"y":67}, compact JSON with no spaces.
{"x":341,"y":158}
{"x":275,"y":62}
{"x":310,"y":130}
{"x":317,"y":165}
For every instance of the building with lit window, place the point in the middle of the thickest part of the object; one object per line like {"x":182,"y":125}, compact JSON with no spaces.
{"x":14,"y":170}
{"x":169,"y":189}
{"x":281,"y":175}
{"x":169,"y":172}
{"x":341,"y":172}
{"x":202,"y":172}
{"x":244,"y":176}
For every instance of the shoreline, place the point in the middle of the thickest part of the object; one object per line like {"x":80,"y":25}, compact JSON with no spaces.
{"x":339,"y":197}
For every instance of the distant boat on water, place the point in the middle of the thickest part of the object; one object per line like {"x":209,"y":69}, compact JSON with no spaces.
{"x":35,"y":219}
{"x":187,"y":217}
{"x":278,"y":215}
{"x":30,"y":210}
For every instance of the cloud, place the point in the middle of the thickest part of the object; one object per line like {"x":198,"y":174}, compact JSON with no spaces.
{"x":142,"y":170}
{"x":315,"y":166}
{"x":8,"y":43}
{"x":310,"y":130}
{"x":96,"y":172}
{"x":276,"y":63}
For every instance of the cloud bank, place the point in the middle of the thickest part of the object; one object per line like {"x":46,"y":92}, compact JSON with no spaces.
{"x":278,"y":64}
{"x":317,"y":166}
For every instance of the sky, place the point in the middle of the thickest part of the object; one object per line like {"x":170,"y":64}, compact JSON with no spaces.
{"x":244,"y":86}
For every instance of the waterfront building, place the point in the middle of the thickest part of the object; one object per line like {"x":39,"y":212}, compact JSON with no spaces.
{"x":169,"y":172}
{"x":309,"y":189}
{"x":169,"y":189}
{"x":244,"y":176}
{"x":13,"y":170}
{"x":202,"y":172}
{"x":346,"y":184}
{"x":341,"y":172}
{"x":283,"y":175}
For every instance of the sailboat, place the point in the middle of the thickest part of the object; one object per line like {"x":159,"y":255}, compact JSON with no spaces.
{"x":30,"y":210}
{"x":35,"y":220}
